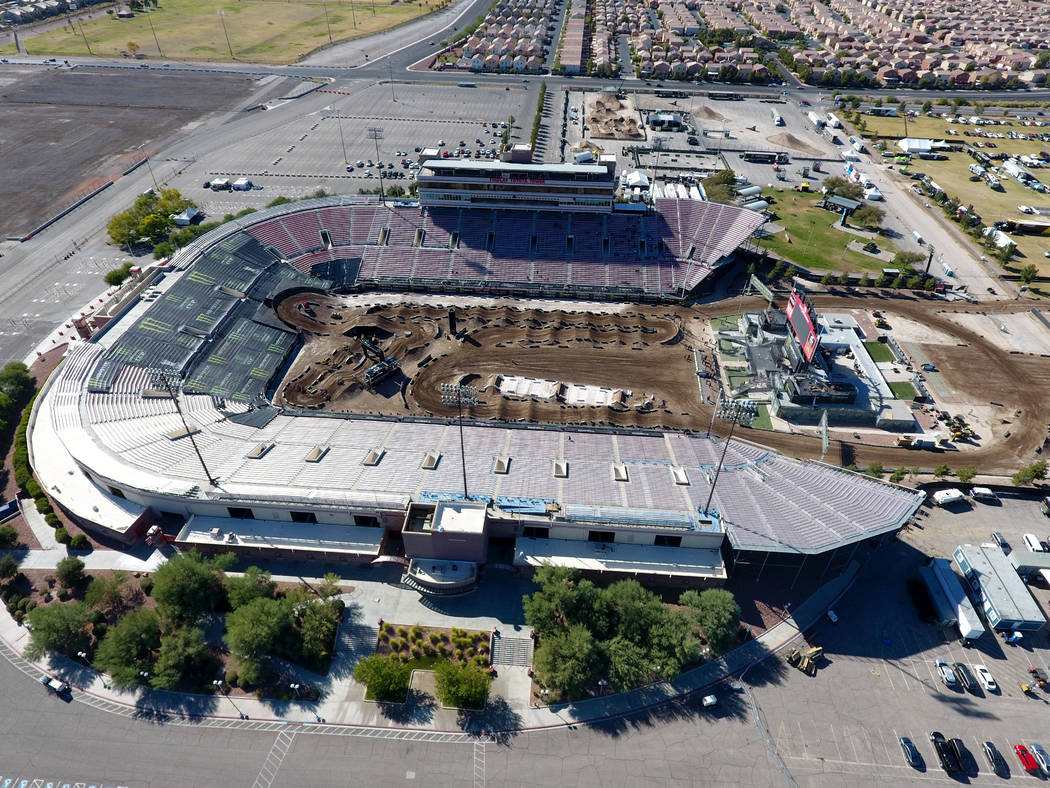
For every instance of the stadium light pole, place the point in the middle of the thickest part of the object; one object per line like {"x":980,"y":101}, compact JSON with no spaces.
{"x":375,"y":133}
{"x":165,"y":378}
{"x":731,"y":411}
{"x":455,"y":394}
{"x":225,"y":33}
{"x":324,"y":5}
{"x":155,"y":39}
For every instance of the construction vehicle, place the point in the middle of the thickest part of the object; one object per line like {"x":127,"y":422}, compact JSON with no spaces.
{"x":1038,"y":676}
{"x":793,"y":657}
{"x":810,"y":659}
{"x":905,"y":440}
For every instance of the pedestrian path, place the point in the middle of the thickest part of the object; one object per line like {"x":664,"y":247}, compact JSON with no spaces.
{"x":512,"y":651}
{"x":343,"y":699}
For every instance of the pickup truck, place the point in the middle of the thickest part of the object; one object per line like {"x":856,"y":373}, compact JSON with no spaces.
{"x":54,"y":685}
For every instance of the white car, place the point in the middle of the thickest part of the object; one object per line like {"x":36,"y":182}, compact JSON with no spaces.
{"x":946,"y":674}
{"x":1041,"y":757}
{"x":985,"y":677}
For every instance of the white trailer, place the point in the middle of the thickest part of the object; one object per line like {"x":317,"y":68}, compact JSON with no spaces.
{"x":816,"y":120}
{"x":833,"y":121}
{"x":946,"y":497}
{"x":242,"y":185}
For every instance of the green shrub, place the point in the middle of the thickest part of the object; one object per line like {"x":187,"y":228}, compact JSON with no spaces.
{"x":231,"y":677}
{"x":147,"y":588}
{"x":19,"y":616}
{"x":43,"y":505}
{"x":52,"y":519}
{"x":100,"y":629}
{"x":434,"y":638}
{"x":80,"y":542}
{"x":62,"y":536}
{"x":8,"y":536}
{"x":33,"y":489}
{"x":63,"y":594}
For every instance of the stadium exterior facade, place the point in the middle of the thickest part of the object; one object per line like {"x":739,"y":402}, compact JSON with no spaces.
{"x":116,"y":451}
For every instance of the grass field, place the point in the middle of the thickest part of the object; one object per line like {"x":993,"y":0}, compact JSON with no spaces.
{"x":937,"y":128}
{"x":811,"y":239}
{"x":8,"y":48}
{"x":259,"y":30}
{"x":762,"y":420}
{"x":953,"y":176}
{"x":904,"y":390}
{"x":878,"y":351}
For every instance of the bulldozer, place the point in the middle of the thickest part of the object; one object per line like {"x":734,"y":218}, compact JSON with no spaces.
{"x":808,"y":662}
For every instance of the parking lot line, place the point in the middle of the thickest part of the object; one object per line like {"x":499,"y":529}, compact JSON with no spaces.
{"x":835,"y":739}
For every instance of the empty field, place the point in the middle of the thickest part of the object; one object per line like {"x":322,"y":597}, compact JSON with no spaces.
{"x":258,"y":31}
{"x":812,"y":240}
{"x":904,"y":390}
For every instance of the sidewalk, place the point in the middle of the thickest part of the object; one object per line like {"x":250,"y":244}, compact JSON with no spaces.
{"x":343,"y":699}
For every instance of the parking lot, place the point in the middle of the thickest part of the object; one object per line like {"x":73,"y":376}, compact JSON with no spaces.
{"x":879,"y":681}
{"x":296,"y":147}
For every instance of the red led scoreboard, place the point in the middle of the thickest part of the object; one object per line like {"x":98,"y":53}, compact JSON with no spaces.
{"x":801,"y":323}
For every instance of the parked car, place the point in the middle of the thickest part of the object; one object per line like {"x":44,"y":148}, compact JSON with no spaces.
{"x":1026,"y":759}
{"x":946,"y":674}
{"x":911,"y":752}
{"x":54,"y":685}
{"x":991,"y":754}
{"x":945,"y":755}
{"x":986,"y":679}
{"x":1041,"y":757}
{"x":963,"y":674}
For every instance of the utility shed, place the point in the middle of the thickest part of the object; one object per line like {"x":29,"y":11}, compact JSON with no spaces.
{"x":1004,"y":598}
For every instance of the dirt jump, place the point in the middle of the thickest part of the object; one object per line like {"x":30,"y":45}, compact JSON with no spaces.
{"x":647,"y":350}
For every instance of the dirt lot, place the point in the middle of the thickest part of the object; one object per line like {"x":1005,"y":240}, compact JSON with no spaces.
{"x":586,"y":348}
{"x":72,"y":130}
{"x":619,"y":351}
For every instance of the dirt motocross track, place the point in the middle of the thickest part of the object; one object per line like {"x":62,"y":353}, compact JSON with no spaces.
{"x":645,"y":349}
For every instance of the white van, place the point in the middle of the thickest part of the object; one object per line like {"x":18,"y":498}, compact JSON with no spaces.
{"x":1032,"y":543}
{"x":983,"y":494}
{"x":945,"y":497}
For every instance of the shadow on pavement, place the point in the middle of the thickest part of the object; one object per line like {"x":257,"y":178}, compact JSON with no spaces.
{"x":497,"y":720}
{"x":417,"y":709}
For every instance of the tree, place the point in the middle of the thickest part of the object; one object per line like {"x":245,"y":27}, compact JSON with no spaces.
{"x":57,"y":627}
{"x":188,"y":586}
{"x":1029,"y":473}
{"x":719,"y":617}
{"x":8,"y":536}
{"x":868,"y":216}
{"x":548,"y":609}
{"x":183,"y":654}
{"x":942,"y":470}
{"x":627,"y":664}
{"x":387,"y":679}
{"x":132,"y":47}
{"x":106,"y":593}
{"x":1028,"y":274}
{"x":673,"y":643}
{"x":8,"y":566}
{"x":254,"y":584}
{"x":461,"y":686}
{"x":252,"y":631}
{"x":843,"y":188}
{"x":129,"y":646}
{"x":876,"y":470}
{"x":827,"y":279}
{"x":966,"y":474}
{"x":907,"y":259}
{"x":329,"y":585}
{"x":16,"y":383}
{"x":565,"y":659}
{"x":316,"y":623}
{"x":70,"y":572}
{"x":843,"y":278}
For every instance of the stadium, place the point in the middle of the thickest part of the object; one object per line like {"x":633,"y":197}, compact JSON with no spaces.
{"x":169,"y":412}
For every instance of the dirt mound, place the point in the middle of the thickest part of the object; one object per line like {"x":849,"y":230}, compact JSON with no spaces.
{"x":706,"y":113}
{"x":788,"y":140}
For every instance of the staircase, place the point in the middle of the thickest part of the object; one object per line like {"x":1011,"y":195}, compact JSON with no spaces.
{"x":512,"y":651}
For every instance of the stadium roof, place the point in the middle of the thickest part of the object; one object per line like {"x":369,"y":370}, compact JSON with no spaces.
{"x":766,"y":501}
{"x":507,"y":166}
